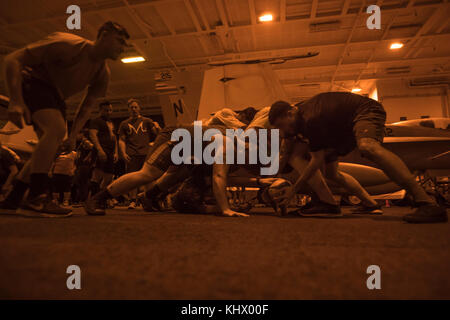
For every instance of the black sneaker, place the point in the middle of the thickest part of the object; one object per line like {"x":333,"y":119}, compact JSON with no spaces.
{"x":427,"y":214}
{"x":95,"y":207}
{"x":43,"y":207}
{"x":321,"y":209}
{"x":363,"y":209}
{"x":147,"y":205}
{"x":7,"y":208}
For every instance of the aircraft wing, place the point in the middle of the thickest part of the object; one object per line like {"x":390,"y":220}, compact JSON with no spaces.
{"x":414,"y":139}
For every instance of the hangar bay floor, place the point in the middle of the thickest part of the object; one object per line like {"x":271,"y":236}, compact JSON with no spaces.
{"x":137,"y":255}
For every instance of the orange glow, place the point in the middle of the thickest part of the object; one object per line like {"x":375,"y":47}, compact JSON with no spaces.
{"x":266,"y":17}
{"x":396,"y":45}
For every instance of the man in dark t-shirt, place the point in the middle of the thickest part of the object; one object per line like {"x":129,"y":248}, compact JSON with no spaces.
{"x":101,"y":133}
{"x":135,"y":135}
{"x":334,"y":123}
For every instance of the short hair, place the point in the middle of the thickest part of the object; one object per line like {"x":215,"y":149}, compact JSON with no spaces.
{"x":130,"y":101}
{"x":115,"y":27}
{"x":103,"y":104}
{"x":249,"y":113}
{"x":277,"y":110}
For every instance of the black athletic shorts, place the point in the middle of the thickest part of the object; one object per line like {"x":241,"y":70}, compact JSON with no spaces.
{"x":39,"y":95}
{"x":159,"y":154}
{"x":136,"y":163}
{"x":368,"y":123}
{"x":106,"y":166}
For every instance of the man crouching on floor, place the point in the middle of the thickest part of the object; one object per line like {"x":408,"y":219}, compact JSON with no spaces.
{"x":155,"y":166}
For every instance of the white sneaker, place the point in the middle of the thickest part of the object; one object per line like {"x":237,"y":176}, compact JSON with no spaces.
{"x":132,"y":205}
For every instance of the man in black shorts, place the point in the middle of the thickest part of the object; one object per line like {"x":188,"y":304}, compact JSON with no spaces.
{"x":335,"y":123}
{"x":39,"y":78}
{"x":135,"y":135}
{"x":101,"y":133}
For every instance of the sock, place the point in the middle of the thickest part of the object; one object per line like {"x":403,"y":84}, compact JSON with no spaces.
{"x":16,"y":195}
{"x":94,"y":187}
{"x":39,"y":184}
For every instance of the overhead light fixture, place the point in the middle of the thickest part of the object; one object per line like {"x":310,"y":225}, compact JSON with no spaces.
{"x":355,"y":90}
{"x":396,"y":45}
{"x":265,"y":17}
{"x":132,"y":59}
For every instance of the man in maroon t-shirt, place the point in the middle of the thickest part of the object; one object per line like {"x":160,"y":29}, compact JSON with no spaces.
{"x":135,"y":135}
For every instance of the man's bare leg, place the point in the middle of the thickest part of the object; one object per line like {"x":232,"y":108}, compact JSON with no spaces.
{"x":349,"y":183}
{"x":394,"y":168}
{"x":121,"y":186}
{"x":52,"y":129}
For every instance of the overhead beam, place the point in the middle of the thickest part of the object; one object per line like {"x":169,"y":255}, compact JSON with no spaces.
{"x":222,"y":15}
{"x":251,"y":7}
{"x":252,"y":10}
{"x":347,"y":43}
{"x":282,"y":11}
{"x":194,"y":18}
{"x":441,"y":10}
{"x":291,"y":83}
{"x":372,"y":54}
{"x":143,"y":27}
{"x":164,"y":20}
{"x":345,"y":7}
{"x":314,"y":9}
{"x":196,"y":23}
{"x":152,"y":3}
{"x":202,"y":15}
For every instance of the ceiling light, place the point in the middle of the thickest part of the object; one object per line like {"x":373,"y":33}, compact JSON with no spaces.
{"x":265,"y":17}
{"x":355,"y":90}
{"x":132,"y":59}
{"x":396,"y":45}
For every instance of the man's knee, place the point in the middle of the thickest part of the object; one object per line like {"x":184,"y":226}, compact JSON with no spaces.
{"x":148,"y":173}
{"x":369,"y":147}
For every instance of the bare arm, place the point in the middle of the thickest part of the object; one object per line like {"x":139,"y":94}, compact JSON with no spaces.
{"x":317,"y":160}
{"x":219,"y":182}
{"x":93,"y":135}
{"x":123,"y":148}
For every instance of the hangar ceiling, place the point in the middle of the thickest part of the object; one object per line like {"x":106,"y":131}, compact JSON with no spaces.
{"x":190,"y":34}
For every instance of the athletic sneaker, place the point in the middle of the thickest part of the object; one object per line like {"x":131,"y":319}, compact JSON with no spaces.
{"x":95,"y":207}
{"x":320,"y":208}
{"x":427,"y":214}
{"x":363,"y":209}
{"x":132,"y":205}
{"x":43,"y":207}
{"x":7,"y":208}
{"x":147,"y":204}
